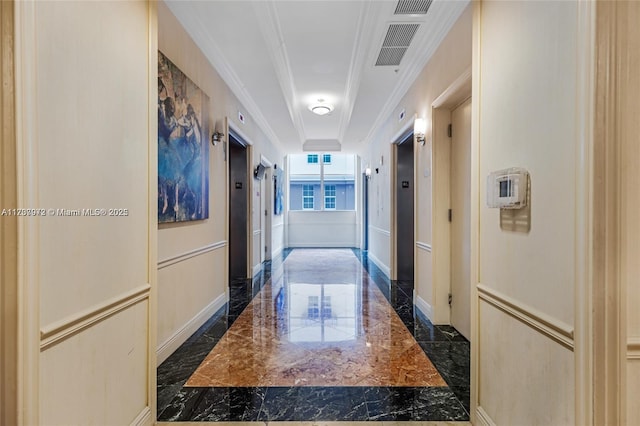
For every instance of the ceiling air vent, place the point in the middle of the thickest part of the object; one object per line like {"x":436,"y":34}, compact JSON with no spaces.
{"x":412,"y":7}
{"x":395,"y":44}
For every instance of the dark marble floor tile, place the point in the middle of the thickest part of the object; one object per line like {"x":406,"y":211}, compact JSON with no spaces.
{"x":451,"y":359}
{"x":183,"y":405}
{"x":165,"y":394}
{"x":182,"y":363}
{"x":452,"y":334}
{"x":218,"y":328}
{"x":229,"y":404}
{"x":279,"y":404}
{"x":175,"y":370}
{"x":463,"y":393}
{"x":414,"y":404}
{"x":331,"y":404}
{"x":405,"y":287}
{"x":425,"y":331}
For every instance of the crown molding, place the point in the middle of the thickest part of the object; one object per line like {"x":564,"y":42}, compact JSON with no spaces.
{"x":365,"y":26}
{"x":272,"y":33}
{"x":189,"y":18}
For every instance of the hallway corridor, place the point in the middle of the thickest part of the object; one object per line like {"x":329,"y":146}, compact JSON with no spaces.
{"x":320,"y":334}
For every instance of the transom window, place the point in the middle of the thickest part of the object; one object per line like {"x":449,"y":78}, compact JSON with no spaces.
{"x":322,"y":181}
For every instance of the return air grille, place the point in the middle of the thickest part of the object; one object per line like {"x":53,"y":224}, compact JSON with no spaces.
{"x":390,"y":56}
{"x":400,"y":35}
{"x":395,"y":44}
{"x":412,"y":7}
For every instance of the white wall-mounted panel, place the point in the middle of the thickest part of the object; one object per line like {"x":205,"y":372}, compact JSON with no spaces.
{"x":184,"y":290}
{"x":99,"y":376}
{"x":533,"y":73}
{"x":514,"y":353}
{"x":92,"y":142}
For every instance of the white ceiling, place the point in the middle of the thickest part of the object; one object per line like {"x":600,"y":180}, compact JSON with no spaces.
{"x":279,"y":57}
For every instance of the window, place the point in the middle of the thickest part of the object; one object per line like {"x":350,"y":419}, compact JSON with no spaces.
{"x":322,"y":181}
{"x":307,"y":197}
{"x":330,"y":197}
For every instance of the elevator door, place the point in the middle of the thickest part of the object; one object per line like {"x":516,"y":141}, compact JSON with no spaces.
{"x":404,"y":209}
{"x":238,"y":202}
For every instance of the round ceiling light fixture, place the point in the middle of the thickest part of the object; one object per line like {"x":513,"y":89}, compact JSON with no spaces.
{"x":321,"y":108}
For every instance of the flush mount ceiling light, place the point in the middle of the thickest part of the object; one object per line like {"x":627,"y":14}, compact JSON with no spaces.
{"x":321,"y":108}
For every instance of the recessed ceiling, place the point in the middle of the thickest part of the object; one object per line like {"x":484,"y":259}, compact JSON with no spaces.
{"x":280,"y":57}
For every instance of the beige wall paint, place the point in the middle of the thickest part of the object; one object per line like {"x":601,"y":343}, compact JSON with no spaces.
{"x":8,"y":224}
{"x":527,"y":114}
{"x":450,"y":60}
{"x":190,"y":285}
{"x":86,"y":286}
{"x":628,"y":52}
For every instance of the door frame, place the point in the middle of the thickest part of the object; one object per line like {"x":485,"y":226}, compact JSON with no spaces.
{"x":266,"y":197}
{"x":400,"y":136}
{"x":232,"y":128}
{"x":453,"y":96}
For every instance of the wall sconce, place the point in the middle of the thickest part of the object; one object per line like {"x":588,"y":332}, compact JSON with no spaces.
{"x":419,"y":130}
{"x":367,"y":172}
{"x":216,"y":137}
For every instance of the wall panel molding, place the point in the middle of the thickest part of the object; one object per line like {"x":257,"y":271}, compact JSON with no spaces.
{"x":55,"y":333}
{"x":551,"y":327}
{"x":182,"y":334}
{"x":424,"y":246}
{"x":190,"y":254}
{"x":633,"y":348}
{"x":144,"y":418}
{"x":483,"y":418}
{"x":380,"y":230}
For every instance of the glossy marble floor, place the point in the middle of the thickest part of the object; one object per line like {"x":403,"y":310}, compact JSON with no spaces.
{"x":319,"y":335}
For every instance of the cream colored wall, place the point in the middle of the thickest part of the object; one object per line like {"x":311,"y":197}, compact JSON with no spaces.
{"x":450,"y":60}
{"x":192,"y":276}
{"x":629,"y":108}
{"x":8,"y":224}
{"x":85,"y":143}
{"x":526,"y":78}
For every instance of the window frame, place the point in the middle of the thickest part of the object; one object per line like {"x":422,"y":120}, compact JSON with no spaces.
{"x":306,"y":197}
{"x":313,"y":157}
{"x":328,"y":197}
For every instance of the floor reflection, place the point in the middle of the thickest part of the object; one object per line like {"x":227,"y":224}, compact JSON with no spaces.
{"x":328,"y":325}
{"x":322,"y":312}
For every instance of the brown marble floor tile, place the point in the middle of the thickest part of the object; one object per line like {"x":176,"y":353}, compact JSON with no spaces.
{"x":337,"y":329}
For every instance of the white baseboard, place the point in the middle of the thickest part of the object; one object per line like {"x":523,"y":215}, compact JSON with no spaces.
{"x":256,"y":269}
{"x":384,"y":268}
{"x":424,"y":307}
{"x":277,"y":252}
{"x":483,"y":418}
{"x":179,"y":337}
{"x":144,"y":418}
